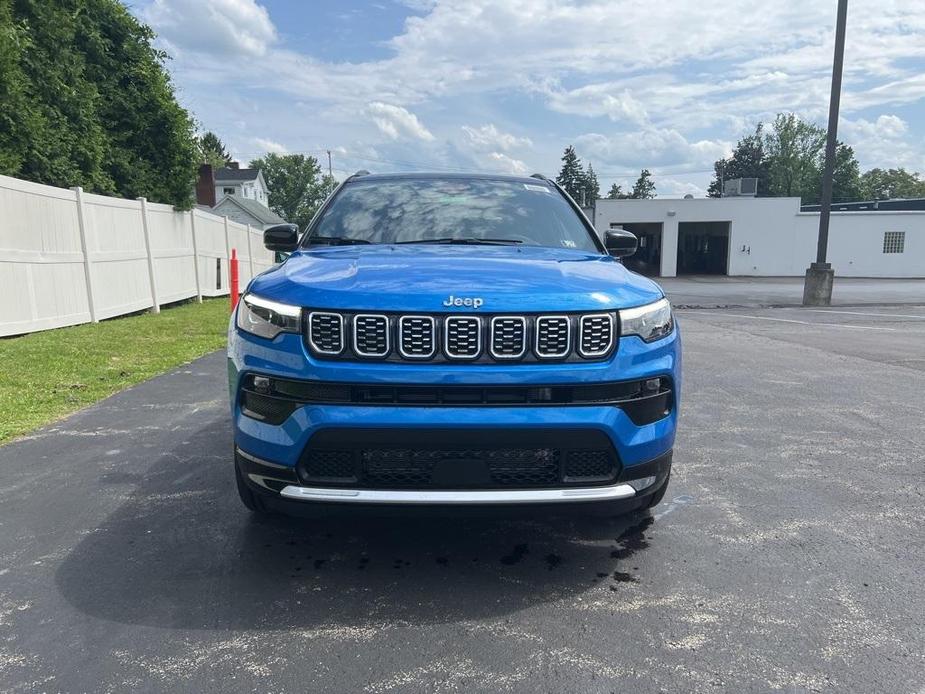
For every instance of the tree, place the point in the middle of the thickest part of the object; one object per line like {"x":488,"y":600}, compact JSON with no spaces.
{"x":748,"y":160}
{"x":846,"y":178}
{"x":591,"y":189}
{"x":880,"y":184}
{"x":296,"y":185}
{"x":572,"y":175}
{"x":644,"y":187}
{"x":85,"y":100}
{"x":212,"y":151}
{"x":616,"y":193}
{"x":794,"y":149}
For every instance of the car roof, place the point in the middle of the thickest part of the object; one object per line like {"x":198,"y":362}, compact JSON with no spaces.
{"x":434,"y":175}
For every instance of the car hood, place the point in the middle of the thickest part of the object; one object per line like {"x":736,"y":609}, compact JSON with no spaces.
{"x":424,"y":277}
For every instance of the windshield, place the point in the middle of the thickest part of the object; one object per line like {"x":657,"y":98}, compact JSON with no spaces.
{"x":427,"y":210}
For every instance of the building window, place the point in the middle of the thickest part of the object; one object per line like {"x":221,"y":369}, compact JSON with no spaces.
{"x":894,"y":241}
{"x":616,"y":225}
{"x":228,"y":191}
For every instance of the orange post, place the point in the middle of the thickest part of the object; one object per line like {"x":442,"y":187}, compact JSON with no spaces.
{"x":233,"y":272}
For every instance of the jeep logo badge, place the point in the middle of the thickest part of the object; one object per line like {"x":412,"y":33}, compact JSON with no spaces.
{"x":469,"y":302}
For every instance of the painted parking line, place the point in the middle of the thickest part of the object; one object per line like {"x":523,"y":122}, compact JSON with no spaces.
{"x":803,"y":322}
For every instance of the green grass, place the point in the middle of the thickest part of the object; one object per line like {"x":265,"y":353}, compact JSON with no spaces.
{"x":45,"y":376}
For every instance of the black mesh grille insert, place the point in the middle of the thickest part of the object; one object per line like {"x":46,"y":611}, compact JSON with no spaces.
{"x":371,"y":335}
{"x":461,"y":468}
{"x":596,"y":335}
{"x":329,"y":465}
{"x":417,"y":336}
{"x":459,"y":458}
{"x":588,"y":465}
{"x":326,"y":332}
{"x":552,"y":336}
{"x":508,"y":337}
{"x":463,"y":337}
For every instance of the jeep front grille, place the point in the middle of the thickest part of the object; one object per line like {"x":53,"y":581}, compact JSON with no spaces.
{"x":326,"y":332}
{"x":553,"y":336}
{"x":463,"y":339}
{"x":442,"y":338}
{"x":508,"y":337}
{"x":595,"y":334}
{"x":371,"y":335}
{"x":416,"y":339}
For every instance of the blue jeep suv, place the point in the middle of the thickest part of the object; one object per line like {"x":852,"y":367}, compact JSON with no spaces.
{"x":452,"y":340}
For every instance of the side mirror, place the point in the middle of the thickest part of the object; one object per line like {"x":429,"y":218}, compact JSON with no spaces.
{"x":283,"y":238}
{"x":620,"y":242}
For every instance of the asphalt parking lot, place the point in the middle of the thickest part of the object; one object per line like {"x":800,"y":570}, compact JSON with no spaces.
{"x":787,"y":556}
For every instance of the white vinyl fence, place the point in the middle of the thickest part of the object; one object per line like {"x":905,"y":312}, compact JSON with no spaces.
{"x":69,"y":257}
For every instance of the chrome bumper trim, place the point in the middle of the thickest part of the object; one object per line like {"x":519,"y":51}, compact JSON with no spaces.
{"x":459,"y":498}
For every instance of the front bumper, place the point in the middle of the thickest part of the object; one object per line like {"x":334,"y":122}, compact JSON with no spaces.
{"x":281,"y":488}
{"x":281,"y":445}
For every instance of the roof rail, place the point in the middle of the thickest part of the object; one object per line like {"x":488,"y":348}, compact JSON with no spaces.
{"x":361,"y":172}
{"x":539,"y":176}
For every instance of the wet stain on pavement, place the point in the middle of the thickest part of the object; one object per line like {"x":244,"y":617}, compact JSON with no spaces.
{"x":517,"y":554}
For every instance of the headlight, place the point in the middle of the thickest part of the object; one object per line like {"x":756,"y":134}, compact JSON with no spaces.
{"x":266,"y":318}
{"x":650,"y":322}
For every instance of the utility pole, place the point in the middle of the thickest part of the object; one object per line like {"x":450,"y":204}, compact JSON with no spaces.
{"x":817,"y":289}
{"x":330,"y":171}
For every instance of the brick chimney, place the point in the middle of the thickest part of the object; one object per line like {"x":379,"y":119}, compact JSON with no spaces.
{"x":205,"y":186}
{"x":234,"y":165}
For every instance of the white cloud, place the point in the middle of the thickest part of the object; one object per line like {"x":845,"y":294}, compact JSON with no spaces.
{"x":649,"y":148}
{"x":670,"y":187}
{"x":609,"y":100}
{"x":270,"y":146}
{"x":396,"y":121}
{"x":216,"y":26}
{"x":882,"y":142}
{"x":488,"y":137}
{"x":668,"y":85}
{"x":502,"y":163}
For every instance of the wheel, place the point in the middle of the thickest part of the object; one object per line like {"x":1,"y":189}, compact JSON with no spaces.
{"x":248,"y":498}
{"x":656,"y":498}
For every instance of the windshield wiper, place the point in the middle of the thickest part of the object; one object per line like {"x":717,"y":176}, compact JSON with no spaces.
{"x":468,"y":240}
{"x":335,"y":241}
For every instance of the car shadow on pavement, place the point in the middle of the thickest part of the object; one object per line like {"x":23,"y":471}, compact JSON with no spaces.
{"x":181,"y":552}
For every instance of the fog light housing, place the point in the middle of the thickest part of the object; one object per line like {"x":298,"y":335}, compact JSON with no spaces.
{"x":641,"y":483}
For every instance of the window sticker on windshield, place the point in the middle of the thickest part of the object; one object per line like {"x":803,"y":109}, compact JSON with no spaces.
{"x":536,"y":189}
{"x":568,"y":243}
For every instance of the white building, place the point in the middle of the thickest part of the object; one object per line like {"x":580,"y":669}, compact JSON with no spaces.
{"x":243,"y":183}
{"x":763,"y":237}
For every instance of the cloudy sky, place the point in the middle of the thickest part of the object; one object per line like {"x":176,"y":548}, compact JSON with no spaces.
{"x":505,"y":85}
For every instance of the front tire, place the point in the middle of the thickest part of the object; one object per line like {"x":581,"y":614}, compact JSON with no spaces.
{"x":253,"y":502}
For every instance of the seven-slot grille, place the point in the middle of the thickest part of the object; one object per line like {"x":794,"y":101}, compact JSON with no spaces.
{"x":463,"y":339}
{"x":371,"y":335}
{"x":416,"y":339}
{"x":476,"y":338}
{"x":326,"y":332}
{"x":595,"y":334}
{"x":553,"y":336}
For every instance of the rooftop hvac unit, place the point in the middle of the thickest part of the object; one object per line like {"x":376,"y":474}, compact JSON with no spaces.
{"x":740,"y":187}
